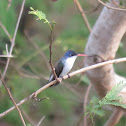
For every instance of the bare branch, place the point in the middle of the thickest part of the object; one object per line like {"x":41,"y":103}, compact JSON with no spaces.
{"x":39,"y":123}
{"x":115,"y":117}
{"x":28,"y":118}
{"x":65,"y":77}
{"x":109,"y":7}
{"x":37,"y":48}
{"x":93,"y":10}
{"x":5,"y":30}
{"x":6,"y":56}
{"x":9,"y":3}
{"x":50,"y":60}
{"x":8,"y":90}
{"x":83,"y":14}
{"x":13,"y":40}
{"x":85,"y":102}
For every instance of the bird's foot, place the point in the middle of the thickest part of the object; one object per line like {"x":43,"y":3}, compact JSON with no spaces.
{"x":58,"y":80}
{"x":68,"y":75}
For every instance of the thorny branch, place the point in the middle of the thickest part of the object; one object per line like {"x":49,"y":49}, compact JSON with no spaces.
{"x":11,"y":97}
{"x":34,"y":94}
{"x":109,"y":7}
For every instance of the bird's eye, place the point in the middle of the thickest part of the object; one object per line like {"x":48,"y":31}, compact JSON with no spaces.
{"x":71,"y":54}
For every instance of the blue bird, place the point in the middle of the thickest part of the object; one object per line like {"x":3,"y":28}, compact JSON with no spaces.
{"x":65,"y":64}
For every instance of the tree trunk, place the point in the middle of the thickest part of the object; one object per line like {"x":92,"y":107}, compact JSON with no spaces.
{"x":103,"y":43}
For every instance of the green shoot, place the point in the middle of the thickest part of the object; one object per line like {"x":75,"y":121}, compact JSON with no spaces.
{"x":42,"y":16}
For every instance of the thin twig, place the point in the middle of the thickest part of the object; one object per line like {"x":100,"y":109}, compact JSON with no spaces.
{"x":65,"y":77}
{"x":11,"y":97}
{"x":5,"y":30}
{"x":85,"y":102}
{"x":50,"y":60}
{"x":39,"y":123}
{"x":92,"y":10}
{"x":109,"y":7}
{"x":37,"y":48}
{"x":83,"y":14}
{"x":115,"y":3}
{"x":6,"y":55}
{"x":13,"y":40}
{"x":114,"y":118}
{"x":9,"y":3}
{"x":27,"y":117}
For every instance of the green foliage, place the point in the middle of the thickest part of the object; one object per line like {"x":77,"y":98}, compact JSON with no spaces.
{"x":111,"y":98}
{"x":42,"y":16}
{"x":39,"y":14}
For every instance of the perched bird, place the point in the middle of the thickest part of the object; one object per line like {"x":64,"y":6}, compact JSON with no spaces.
{"x":65,"y":64}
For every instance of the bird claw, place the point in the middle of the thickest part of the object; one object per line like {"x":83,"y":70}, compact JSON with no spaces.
{"x":68,"y":75}
{"x":58,"y":80}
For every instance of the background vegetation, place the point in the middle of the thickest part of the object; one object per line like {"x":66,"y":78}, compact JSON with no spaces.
{"x":29,"y":69}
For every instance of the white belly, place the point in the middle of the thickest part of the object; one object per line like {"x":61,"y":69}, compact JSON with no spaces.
{"x":68,"y":66}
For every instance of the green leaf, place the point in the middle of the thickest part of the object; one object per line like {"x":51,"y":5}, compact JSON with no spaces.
{"x":39,"y":14}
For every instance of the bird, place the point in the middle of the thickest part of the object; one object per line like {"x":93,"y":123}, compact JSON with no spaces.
{"x":64,"y":65}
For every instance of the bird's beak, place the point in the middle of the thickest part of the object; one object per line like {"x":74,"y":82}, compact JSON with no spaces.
{"x":81,"y":55}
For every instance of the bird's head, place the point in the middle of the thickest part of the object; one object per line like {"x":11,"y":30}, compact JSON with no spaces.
{"x":71,"y":53}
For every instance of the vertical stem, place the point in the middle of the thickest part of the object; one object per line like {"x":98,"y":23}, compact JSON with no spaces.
{"x":114,"y":118}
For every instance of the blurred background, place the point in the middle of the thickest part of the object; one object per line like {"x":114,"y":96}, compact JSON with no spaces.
{"x":29,"y":69}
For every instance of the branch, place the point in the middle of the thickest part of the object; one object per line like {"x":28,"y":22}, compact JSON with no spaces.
{"x":109,"y":7}
{"x":50,"y":61}
{"x":37,"y":48}
{"x":93,"y":10}
{"x":115,"y":117}
{"x":13,"y":40}
{"x":39,"y":123}
{"x":11,"y":97}
{"x":9,"y":3}
{"x":34,"y":94}
{"x":83,"y":14}
{"x":85,"y":102}
{"x":5,"y":30}
{"x":6,"y":56}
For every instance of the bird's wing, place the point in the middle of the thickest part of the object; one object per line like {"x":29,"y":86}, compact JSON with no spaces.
{"x":58,"y":70}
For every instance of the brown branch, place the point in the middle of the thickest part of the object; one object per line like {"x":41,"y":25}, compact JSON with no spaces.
{"x":5,"y":30}
{"x":83,"y":14}
{"x":37,"y":48}
{"x":92,"y":10}
{"x":115,"y":3}
{"x":109,"y":7}
{"x":50,"y":60}
{"x":85,"y":102}
{"x":115,"y":117}
{"x":71,"y":74}
{"x":65,"y":77}
{"x":13,"y":40}
{"x":9,"y":3}
{"x":39,"y":123}
{"x":28,"y":118}
{"x":11,"y":97}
